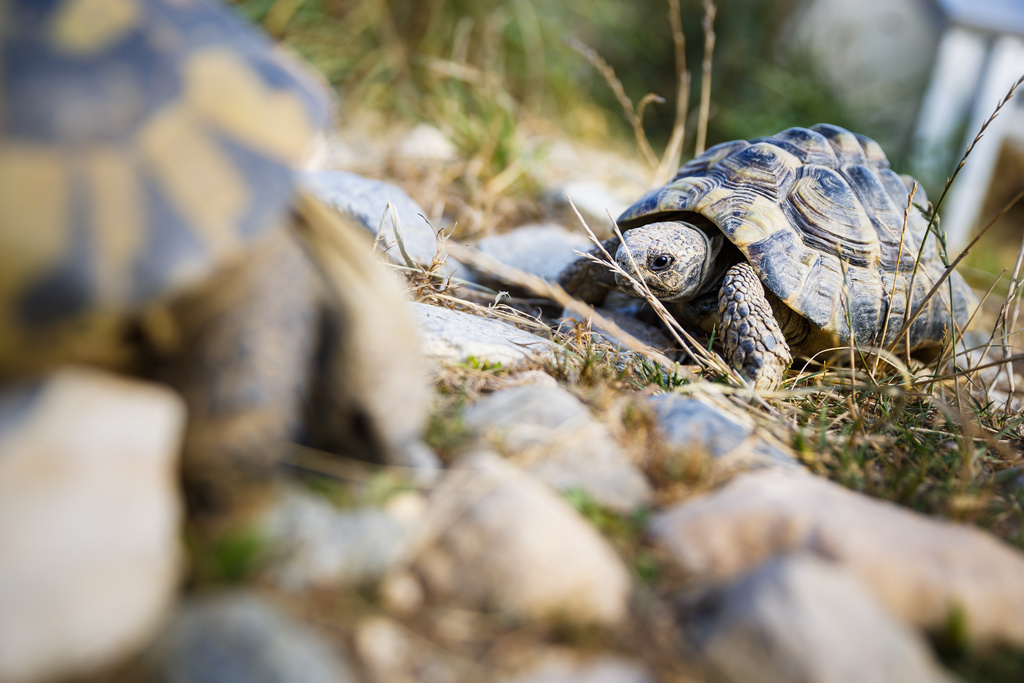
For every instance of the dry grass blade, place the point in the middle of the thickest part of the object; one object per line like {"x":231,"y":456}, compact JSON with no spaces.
{"x":909,"y":320}
{"x":1011,"y":295}
{"x":671,"y":158}
{"x":896,"y":275}
{"x":952,"y":266}
{"x":541,"y":287}
{"x":608,"y":73}
{"x":710,"y":10}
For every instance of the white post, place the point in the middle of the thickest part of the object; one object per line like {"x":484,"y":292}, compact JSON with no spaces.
{"x":962,"y":208}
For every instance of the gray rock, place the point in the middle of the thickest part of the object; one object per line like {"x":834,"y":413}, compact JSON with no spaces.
{"x":593,"y":200}
{"x":455,"y":336}
{"x":319,"y":545}
{"x":804,"y":619}
{"x":240,"y":638}
{"x":599,"y":669}
{"x":542,"y":249}
{"x":89,"y":522}
{"x":553,"y":435}
{"x":918,"y":568}
{"x":653,"y":336}
{"x":498,"y":537}
{"x":697,"y":425}
{"x":365,"y":201}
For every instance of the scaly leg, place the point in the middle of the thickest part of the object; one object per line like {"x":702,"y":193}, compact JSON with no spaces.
{"x":754,"y":343}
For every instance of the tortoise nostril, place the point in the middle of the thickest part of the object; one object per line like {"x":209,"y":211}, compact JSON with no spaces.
{"x":661,"y":262}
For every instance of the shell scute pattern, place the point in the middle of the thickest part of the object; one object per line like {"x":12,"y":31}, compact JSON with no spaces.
{"x":760,"y":168}
{"x":825,"y":210}
{"x":819,"y":215}
{"x":159,"y":137}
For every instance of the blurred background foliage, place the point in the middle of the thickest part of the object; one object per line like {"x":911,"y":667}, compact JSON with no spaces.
{"x":479,"y":68}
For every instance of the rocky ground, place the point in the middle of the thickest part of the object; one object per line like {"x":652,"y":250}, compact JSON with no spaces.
{"x":587,"y":519}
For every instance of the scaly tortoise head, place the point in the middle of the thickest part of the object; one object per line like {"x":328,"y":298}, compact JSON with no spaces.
{"x":143,"y":143}
{"x":819,"y":215}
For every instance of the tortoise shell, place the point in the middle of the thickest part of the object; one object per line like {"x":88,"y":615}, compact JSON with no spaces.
{"x":142,"y":144}
{"x":819,"y":214}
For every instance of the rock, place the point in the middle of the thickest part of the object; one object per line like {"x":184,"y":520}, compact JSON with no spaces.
{"x":599,"y":669}
{"x":503,"y":539}
{"x":391,"y":653}
{"x":654,"y":337}
{"x":697,"y":425}
{"x":89,"y":521}
{"x":240,"y":638}
{"x":919,"y":568}
{"x":319,"y":545}
{"x":800,"y":618}
{"x":425,"y":143}
{"x":365,"y":201}
{"x":593,"y":200}
{"x":455,"y":336}
{"x":553,"y":435}
{"x":543,"y":249}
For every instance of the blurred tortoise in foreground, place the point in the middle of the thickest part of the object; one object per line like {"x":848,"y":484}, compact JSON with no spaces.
{"x":798,"y":238}
{"x":148,"y":221}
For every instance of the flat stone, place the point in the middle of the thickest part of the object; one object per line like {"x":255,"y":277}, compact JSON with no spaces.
{"x":697,"y":425}
{"x":554,"y":436}
{"x":241,"y":638}
{"x":802,"y":618}
{"x":89,"y":521}
{"x":455,"y":336}
{"x":498,"y":537}
{"x":543,"y":249}
{"x":365,"y":201}
{"x":917,"y":567}
{"x":319,"y":545}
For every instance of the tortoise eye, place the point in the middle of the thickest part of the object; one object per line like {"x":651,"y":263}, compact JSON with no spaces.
{"x":661,"y":262}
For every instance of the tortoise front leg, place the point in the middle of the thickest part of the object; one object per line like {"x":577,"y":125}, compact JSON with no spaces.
{"x":754,"y":343}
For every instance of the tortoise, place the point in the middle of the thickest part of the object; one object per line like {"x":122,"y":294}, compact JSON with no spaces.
{"x":150,"y":222}
{"x":789,"y":243}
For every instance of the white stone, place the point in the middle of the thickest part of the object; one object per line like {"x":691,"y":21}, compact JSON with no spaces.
{"x":426,"y":143}
{"x":543,"y":249}
{"x":552,"y":434}
{"x":498,"y":537}
{"x":89,"y":522}
{"x":319,"y":545}
{"x":802,"y":618}
{"x":919,"y":568}
{"x":456,"y":336}
{"x":365,"y":201}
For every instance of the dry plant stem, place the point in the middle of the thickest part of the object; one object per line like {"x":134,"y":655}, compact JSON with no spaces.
{"x":1011,"y":295}
{"x":951,"y":267}
{"x":899,"y":255}
{"x":705,"y":80}
{"x":396,"y":225}
{"x":671,"y":158}
{"x":608,"y":73}
{"x":540,"y":287}
{"x":908,"y":321}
